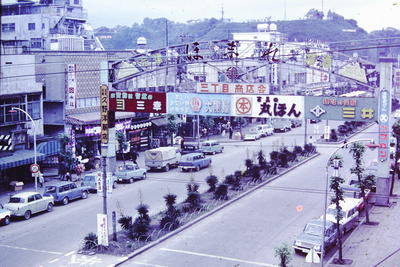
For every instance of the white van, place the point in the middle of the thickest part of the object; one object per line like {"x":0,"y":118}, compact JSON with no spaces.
{"x":211,"y":147}
{"x":350,"y":213}
{"x":162,"y":158}
{"x":265,"y":129}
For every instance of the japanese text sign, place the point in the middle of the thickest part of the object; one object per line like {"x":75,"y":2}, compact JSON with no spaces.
{"x":268,"y":106}
{"x":233,"y":88}
{"x":384,"y":124}
{"x":147,"y":102}
{"x":201,"y":104}
{"x":104,"y":113}
{"x":341,"y":108}
{"x":102,"y":229}
{"x":71,"y":86}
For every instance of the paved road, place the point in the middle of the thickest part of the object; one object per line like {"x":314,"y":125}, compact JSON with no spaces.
{"x":51,"y":239}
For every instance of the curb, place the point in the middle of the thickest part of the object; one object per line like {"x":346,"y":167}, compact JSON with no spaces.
{"x":204,"y":216}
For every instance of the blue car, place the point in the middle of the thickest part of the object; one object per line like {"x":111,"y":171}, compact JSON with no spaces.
{"x":194,"y":161}
{"x":64,"y":192}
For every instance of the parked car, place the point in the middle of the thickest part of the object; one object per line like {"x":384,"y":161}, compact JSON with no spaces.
{"x":130,"y":172}
{"x":255,"y":130}
{"x":27,"y":203}
{"x":211,"y":147}
{"x":281,"y":125}
{"x":64,"y":192}
{"x":194,"y":161}
{"x":191,"y":148}
{"x":315,"y":120}
{"x":311,"y":237}
{"x":349,"y":212}
{"x":265,"y":129}
{"x":162,"y":158}
{"x":295,"y":123}
{"x":250,"y":137}
{"x":5,"y":215}
{"x":90,"y":180}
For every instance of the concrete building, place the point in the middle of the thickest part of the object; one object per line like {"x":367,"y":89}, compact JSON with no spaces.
{"x":34,"y":25}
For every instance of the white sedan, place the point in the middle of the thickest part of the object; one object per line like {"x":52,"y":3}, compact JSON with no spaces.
{"x":251,"y":137}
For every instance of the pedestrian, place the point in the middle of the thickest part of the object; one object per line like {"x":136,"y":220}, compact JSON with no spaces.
{"x":68,"y":176}
{"x":134,"y":156}
{"x":230,"y":132}
{"x":182,"y":143}
{"x":41,"y":179}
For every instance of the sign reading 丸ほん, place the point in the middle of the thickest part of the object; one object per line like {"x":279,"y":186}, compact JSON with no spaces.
{"x":341,"y":108}
{"x":147,"y":102}
{"x":201,"y":104}
{"x":268,"y":106}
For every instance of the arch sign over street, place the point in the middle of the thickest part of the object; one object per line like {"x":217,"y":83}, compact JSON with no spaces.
{"x":248,"y":105}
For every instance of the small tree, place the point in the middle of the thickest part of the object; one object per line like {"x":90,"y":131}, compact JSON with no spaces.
{"x":171,"y":215}
{"x":221,"y":192}
{"x":90,"y":241}
{"x":141,"y":226}
{"x":261,"y":158}
{"x":125,"y":222}
{"x":193,"y":195}
{"x":248,"y":163}
{"x":284,"y":254}
{"x":233,"y":181}
{"x":335,"y":185}
{"x":212,"y":181}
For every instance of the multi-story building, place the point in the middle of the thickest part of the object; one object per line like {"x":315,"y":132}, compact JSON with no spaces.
{"x":34,"y":25}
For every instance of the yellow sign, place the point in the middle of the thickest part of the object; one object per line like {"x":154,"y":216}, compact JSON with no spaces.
{"x":104,"y":113}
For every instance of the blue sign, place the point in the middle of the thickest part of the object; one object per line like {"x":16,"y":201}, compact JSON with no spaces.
{"x":199,"y":104}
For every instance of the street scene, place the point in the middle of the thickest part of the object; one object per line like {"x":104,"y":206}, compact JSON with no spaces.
{"x":208,"y":140}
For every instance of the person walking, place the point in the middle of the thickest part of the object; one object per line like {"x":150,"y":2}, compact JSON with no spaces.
{"x":68,"y":176}
{"x":41,"y":180}
{"x":230,"y":132}
{"x":134,"y":156}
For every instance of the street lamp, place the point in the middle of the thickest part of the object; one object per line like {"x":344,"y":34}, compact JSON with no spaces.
{"x":14,"y":109}
{"x":326,"y":188}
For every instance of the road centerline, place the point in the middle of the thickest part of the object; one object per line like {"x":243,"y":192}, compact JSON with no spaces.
{"x":217,"y":257}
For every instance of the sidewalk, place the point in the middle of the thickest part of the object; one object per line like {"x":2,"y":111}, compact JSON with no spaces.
{"x":376,"y":245}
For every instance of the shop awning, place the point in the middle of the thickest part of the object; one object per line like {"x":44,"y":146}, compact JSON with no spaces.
{"x":160,"y":122}
{"x":94,"y":117}
{"x":19,"y":158}
{"x":49,"y":148}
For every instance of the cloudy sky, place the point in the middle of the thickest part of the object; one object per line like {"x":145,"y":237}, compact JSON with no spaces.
{"x":370,"y":14}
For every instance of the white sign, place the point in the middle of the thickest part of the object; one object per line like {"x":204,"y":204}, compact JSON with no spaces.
{"x":233,"y":88}
{"x":327,"y":130}
{"x":71,"y":86}
{"x":109,"y":183}
{"x":268,"y":106}
{"x":99,"y":182}
{"x":312,"y":256}
{"x":102,"y":229}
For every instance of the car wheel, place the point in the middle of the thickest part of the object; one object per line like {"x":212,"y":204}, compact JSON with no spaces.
{"x":144,"y":176}
{"x":166,"y":168}
{"x":65,"y":201}
{"x":27,"y":214}
{"x":50,"y":207}
{"x":114,"y":184}
{"x":197,"y":168}
{"x":131,"y":180}
{"x":84,"y":194}
{"x":7,"y":220}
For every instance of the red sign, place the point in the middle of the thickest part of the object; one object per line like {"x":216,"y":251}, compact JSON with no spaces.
{"x":147,"y":102}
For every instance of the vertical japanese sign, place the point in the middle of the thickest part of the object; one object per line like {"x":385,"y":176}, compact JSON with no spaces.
{"x":71,"y":86}
{"x":104,"y":113}
{"x":384,"y":124}
{"x":102,"y":229}
{"x":396,"y":80}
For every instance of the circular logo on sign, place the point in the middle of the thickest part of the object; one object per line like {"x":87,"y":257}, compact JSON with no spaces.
{"x":384,"y":118}
{"x":34,"y":168}
{"x":243,"y":105}
{"x":232,"y":73}
{"x":195,"y":104}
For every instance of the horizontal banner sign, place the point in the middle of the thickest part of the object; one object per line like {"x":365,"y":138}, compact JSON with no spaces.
{"x":233,"y":88}
{"x":268,"y":106}
{"x":341,"y":108}
{"x":199,"y":104}
{"x":147,"y":102}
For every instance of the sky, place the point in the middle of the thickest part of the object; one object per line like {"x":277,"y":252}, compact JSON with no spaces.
{"x":370,"y":14}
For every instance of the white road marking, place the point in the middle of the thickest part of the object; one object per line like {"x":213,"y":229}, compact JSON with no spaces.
{"x":53,"y":261}
{"x":69,"y":253}
{"x":148,"y":264}
{"x":217,"y":257}
{"x":33,"y":250}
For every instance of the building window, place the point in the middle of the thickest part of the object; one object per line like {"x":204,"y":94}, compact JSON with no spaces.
{"x":31,"y":26}
{"x":8,"y":27}
{"x":88,"y":102}
{"x":5,"y":106}
{"x":36,"y":43}
{"x":76,"y":2}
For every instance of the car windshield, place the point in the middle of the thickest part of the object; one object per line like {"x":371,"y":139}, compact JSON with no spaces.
{"x":88,"y":178}
{"x":186,"y":158}
{"x":50,"y":189}
{"x":16,"y":200}
{"x":313,"y":229}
